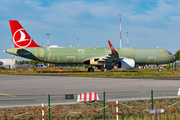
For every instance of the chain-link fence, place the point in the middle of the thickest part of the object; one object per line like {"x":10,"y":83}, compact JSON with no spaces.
{"x":131,"y":105}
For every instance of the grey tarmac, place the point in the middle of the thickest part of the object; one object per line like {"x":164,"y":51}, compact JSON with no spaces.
{"x":19,"y":90}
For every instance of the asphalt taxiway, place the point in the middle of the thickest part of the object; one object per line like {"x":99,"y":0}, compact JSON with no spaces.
{"x":16,"y":90}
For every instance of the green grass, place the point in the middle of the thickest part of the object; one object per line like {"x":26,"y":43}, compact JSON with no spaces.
{"x":115,"y":73}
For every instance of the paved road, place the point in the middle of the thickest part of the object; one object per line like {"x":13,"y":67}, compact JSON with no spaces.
{"x":16,"y":90}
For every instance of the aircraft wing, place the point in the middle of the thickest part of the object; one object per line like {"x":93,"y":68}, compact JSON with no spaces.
{"x":113,"y":57}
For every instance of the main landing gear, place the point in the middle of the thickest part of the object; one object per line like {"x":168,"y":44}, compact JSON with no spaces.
{"x":90,"y":69}
{"x":104,"y":70}
{"x":104,"y":67}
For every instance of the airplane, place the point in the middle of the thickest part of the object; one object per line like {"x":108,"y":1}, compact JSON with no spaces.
{"x":104,"y":58}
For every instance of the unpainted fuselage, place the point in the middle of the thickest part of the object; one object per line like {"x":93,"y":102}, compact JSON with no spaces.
{"x":77,"y":55}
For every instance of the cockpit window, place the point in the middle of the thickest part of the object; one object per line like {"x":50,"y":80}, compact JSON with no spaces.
{"x":170,"y":53}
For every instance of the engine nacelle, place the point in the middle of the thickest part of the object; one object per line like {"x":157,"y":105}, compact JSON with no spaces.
{"x":126,"y":64}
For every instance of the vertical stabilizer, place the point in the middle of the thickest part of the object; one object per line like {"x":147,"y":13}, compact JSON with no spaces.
{"x":20,"y":36}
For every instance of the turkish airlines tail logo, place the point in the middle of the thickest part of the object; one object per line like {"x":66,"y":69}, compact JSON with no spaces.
{"x":20,"y":36}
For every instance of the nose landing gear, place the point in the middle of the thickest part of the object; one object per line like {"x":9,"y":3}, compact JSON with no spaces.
{"x":159,"y":69}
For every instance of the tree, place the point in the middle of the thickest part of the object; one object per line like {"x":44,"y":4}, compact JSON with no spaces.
{"x":177,"y":54}
{"x":31,"y":62}
{"x":26,"y":62}
{"x":22,"y":62}
{"x":35,"y":62}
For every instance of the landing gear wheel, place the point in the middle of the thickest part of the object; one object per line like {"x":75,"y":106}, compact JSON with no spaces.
{"x":159,"y":69}
{"x":90,"y":69}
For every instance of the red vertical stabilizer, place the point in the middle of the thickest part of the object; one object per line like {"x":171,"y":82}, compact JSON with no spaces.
{"x":20,"y":36}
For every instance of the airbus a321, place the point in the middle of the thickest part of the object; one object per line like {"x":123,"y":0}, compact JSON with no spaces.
{"x":104,"y":58}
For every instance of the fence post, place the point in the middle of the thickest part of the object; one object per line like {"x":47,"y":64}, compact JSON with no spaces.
{"x":152,"y":103}
{"x":104,"y":104}
{"x":152,"y":99}
{"x":117,"y":110}
{"x":42,"y":111}
{"x":49,"y":106}
{"x":172,"y":66}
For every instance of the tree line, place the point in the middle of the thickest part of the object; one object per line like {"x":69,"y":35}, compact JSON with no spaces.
{"x":177,"y":54}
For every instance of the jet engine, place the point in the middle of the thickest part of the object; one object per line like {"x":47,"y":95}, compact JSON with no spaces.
{"x":125,"y":64}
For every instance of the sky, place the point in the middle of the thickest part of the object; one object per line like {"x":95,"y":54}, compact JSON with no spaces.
{"x":150,"y":23}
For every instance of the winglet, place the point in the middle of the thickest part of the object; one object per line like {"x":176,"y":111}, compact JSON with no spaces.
{"x":110,"y":45}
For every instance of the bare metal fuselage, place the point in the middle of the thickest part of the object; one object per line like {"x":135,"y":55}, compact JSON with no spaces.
{"x":77,"y":55}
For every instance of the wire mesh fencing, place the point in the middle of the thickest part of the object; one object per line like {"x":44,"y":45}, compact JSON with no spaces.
{"x":131,"y":105}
